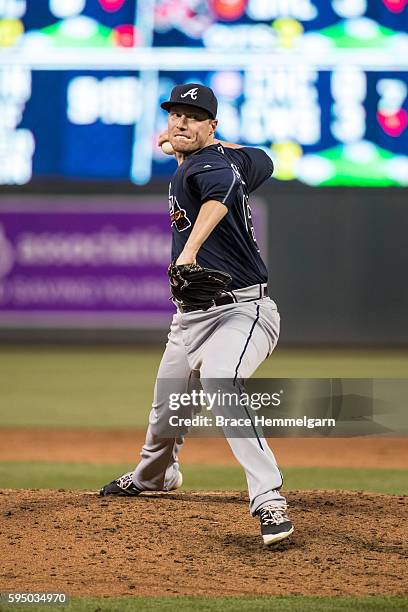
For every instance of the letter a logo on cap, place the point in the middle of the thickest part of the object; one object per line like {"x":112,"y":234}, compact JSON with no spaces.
{"x":191,"y":92}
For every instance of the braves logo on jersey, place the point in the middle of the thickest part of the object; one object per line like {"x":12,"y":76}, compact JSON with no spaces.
{"x":178,"y":215}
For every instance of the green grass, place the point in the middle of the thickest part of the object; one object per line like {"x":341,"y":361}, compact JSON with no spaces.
{"x":76,"y":387}
{"x":39,"y":475}
{"x":227,"y":604}
{"x":112,"y":387}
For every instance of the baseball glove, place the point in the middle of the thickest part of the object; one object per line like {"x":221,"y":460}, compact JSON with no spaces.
{"x":194,"y":287}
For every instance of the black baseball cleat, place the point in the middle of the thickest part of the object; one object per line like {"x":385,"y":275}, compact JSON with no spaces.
{"x":275,"y":523}
{"x":123,"y":485}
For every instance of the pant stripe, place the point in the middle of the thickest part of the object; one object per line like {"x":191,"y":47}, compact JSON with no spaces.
{"x":246,"y":343}
{"x":239,"y":363}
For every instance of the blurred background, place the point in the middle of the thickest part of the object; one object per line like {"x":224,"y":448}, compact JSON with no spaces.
{"x":321,"y":86}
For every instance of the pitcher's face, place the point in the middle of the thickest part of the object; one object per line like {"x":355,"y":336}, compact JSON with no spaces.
{"x":190,"y":128}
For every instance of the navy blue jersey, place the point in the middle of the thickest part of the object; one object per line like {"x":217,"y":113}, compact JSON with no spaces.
{"x":228,"y":176}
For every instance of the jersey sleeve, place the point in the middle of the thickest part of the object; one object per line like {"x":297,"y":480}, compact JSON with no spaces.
{"x":256,"y":165}
{"x":214,"y":180}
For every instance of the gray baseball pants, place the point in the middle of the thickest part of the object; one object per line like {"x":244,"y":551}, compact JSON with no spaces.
{"x":225,"y":342}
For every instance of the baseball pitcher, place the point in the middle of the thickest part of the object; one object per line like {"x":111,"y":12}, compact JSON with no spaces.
{"x":225,"y":324}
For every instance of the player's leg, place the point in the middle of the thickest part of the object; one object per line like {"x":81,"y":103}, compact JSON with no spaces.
{"x":158,"y":468}
{"x":245,"y":337}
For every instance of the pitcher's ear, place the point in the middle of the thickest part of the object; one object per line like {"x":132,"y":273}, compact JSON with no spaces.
{"x":214,"y":123}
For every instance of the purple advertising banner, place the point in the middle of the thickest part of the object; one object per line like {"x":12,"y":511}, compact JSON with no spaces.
{"x":86,"y":261}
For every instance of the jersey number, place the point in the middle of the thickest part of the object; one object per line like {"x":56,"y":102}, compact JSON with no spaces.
{"x":248,"y":218}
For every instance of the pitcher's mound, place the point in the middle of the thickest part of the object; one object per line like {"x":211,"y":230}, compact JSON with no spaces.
{"x":195,"y":543}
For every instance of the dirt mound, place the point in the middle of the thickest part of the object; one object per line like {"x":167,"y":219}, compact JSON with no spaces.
{"x":200,"y":543}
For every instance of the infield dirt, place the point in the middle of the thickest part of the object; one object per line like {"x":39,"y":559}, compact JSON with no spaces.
{"x":200,"y":543}
{"x":123,"y":446}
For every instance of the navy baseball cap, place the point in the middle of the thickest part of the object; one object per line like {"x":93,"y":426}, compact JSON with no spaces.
{"x":193,"y":94}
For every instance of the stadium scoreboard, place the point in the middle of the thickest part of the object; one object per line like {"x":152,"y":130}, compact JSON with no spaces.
{"x":321,"y":86}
